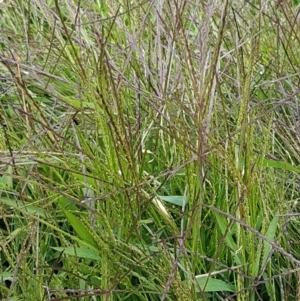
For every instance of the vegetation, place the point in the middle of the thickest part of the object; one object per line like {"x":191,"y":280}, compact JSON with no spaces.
{"x":149,"y":150}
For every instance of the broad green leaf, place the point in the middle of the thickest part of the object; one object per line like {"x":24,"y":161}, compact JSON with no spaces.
{"x":80,"y":228}
{"x":152,"y":249}
{"x":223,"y":226}
{"x":228,"y":239}
{"x":6,"y":276}
{"x":64,"y":203}
{"x":280,"y":165}
{"x":7,"y":179}
{"x":78,"y":104}
{"x":81,"y":252}
{"x":175,"y":199}
{"x":270,"y":234}
{"x":96,"y":280}
{"x":145,"y":221}
{"x":214,"y":285}
{"x":23,"y":207}
{"x":84,"y":178}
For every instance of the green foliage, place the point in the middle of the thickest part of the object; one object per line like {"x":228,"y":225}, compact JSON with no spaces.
{"x":149,"y":151}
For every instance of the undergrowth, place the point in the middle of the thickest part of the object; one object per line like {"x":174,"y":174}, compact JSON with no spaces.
{"x":149,"y":150}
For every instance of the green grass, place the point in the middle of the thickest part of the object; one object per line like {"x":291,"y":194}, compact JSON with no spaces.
{"x":149,"y":151}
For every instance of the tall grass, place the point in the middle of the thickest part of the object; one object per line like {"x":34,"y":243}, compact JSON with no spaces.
{"x":149,"y":150}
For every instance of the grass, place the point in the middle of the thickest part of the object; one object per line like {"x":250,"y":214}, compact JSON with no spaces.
{"x":149,"y":150}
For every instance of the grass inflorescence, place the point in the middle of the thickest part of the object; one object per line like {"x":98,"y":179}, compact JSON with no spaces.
{"x":149,"y":150}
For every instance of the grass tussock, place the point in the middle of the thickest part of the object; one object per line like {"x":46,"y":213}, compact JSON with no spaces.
{"x":149,"y":150}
